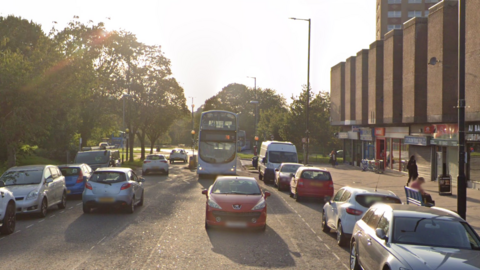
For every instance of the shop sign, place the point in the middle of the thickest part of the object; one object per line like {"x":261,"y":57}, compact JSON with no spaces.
{"x":444,"y":142}
{"x":353,"y":135}
{"x":446,"y":131}
{"x":366,"y":134}
{"x":474,"y":128}
{"x":396,"y":132}
{"x":428,"y":129}
{"x":343,"y":135}
{"x":413,"y":140}
{"x":379,"y":131}
{"x":355,"y":128}
{"x":472,"y":137}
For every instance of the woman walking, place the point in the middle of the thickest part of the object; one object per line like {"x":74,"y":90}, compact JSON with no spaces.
{"x":333,"y":159}
{"x":412,"y":170}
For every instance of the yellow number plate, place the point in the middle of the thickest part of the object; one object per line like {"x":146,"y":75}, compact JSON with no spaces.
{"x":106,"y":200}
{"x":317,"y":184}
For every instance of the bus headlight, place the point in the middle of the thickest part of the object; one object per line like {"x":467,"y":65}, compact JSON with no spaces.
{"x":200,"y":168}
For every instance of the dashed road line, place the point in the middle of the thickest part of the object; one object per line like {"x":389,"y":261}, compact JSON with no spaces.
{"x":319,"y":238}
{"x":41,"y":220}
{"x":62,"y":212}
{"x":327,"y":246}
{"x":101,"y":240}
{"x":346,"y":266}
{"x":338,"y":258}
{"x":92,"y":247}
{"x":79,"y":204}
{"x":52,"y":216}
{"x":30,"y":225}
{"x":70,"y":208}
{"x":17,"y":232}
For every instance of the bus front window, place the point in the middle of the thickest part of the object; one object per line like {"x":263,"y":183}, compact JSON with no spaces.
{"x":217,"y":152}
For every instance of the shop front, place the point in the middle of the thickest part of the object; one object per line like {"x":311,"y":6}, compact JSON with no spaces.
{"x":419,"y":146}
{"x":367,"y":143}
{"x":396,"y":150}
{"x":473,"y":152}
{"x":352,"y":147}
{"x":380,"y":145}
{"x":445,"y":140}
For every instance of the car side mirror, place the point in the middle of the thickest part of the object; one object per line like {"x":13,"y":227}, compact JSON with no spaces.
{"x":141,"y":179}
{"x":49,"y":180}
{"x":328,"y":199}
{"x":276,"y":169}
{"x":204,"y":192}
{"x":381,"y":234}
{"x":267,"y":194}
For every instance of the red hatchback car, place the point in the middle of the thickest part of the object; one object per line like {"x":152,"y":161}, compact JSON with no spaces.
{"x":311,"y":182}
{"x":236,"y":202}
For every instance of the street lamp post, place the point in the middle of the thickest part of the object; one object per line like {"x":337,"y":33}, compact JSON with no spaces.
{"x":462,"y":181}
{"x":307,"y":132}
{"x":193,"y":141}
{"x":256,"y":105}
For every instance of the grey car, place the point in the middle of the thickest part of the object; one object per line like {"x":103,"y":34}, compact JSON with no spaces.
{"x":113,"y":187}
{"x":36,"y":188}
{"x":394,"y":236}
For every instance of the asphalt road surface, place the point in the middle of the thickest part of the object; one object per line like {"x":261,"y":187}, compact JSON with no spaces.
{"x":168,"y":232}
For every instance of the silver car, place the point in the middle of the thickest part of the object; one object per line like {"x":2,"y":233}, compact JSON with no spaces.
{"x":395,"y":236}
{"x":36,"y":188}
{"x":113,"y":187}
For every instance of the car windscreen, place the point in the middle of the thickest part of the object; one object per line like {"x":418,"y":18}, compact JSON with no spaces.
{"x":108,"y":177}
{"x":315,"y":175}
{"x":69,"y":171}
{"x":217,"y":152}
{"x":27,"y":177}
{"x":155,"y":157}
{"x":98,"y":157}
{"x":434,"y":232}
{"x":281,"y":157}
{"x":236,"y":186}
{"x":367,"y":200}
{"x":290,"y":168}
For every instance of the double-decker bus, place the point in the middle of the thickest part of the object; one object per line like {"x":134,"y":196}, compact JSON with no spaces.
{"x":217,"y":143}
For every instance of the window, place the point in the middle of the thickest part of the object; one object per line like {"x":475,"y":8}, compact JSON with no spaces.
{"x":390,"y":27}
{"x":414,"y":13}
{"x":384,"y":224}
{"x":47,"y":173}
{"x":108,"y":177}
{"x":414,"y":1}
{"x":338,"y":196}
{"x":394,"y":1}
{"x":431,"y":1}
{"x":236,"y":186}
{"x":316,"y":175}
{"x":426,"y":13}
{"x":394,"y":14}
{"x":375,"y":218}
{"x":346,"y":196}
{"x":368,"y":215}
{"x":367,"y":200}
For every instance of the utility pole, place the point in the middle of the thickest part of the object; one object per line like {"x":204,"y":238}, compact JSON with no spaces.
{"x":461,"y":180}
{"x":256,"y":107}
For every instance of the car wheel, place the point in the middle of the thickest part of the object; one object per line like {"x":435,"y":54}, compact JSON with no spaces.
{"x":43,"y":208}
{"x":131,"y":207}
{"x":341,"y":238}
{"x":297,"y":198}
{"x":278,"y":187}
{"x":325,"y":227}
{"x":141,"y":199}
{"x":353,"y":256}
{"x":167,"y":172}
{"x":86,"y":209}
{"x":9,"y":220}
{"x":63,"y":203}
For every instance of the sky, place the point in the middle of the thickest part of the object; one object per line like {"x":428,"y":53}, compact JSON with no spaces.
{"x":212,"y":43}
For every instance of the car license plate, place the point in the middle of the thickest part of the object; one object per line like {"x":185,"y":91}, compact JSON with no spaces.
{"x":69,"y":191}
{"x":156,"y":167}
{"x":317,"y":184}
{"x":232,"y":224}
{"x":106,"y":199}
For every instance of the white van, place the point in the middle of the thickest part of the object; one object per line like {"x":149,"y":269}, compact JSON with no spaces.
{"x":272,"y":154}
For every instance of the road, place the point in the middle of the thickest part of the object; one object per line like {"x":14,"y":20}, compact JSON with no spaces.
{"x":168,"y":232}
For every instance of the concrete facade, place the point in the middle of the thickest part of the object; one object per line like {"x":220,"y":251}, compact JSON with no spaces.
{"x":350,"y":93}
{"x":415,"y":37}
{"x":361,"y":89}
{"x":442,"y":84}
{"x":392,"y":77}
{"x":375,"y":83}
{"x":337,"y":94}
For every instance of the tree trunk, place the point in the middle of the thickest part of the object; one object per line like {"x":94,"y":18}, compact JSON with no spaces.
{"x":141,"y":137}
{"x":152,"y":144}
{"x":12,"y":155}
{"x":131,"y":142}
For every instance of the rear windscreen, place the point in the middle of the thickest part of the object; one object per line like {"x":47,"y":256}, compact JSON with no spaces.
{"x":108,"y":177}
{"x":155,"y":157}
{"x":70,"y":171}
{"x":316,"y":175}
{"x":367,"y":200}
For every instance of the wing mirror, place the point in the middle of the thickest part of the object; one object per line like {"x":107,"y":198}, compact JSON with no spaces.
{"x":381,"y":234}
{"x":204,"y":192}
{"x":267,"y":194}
{"x":276,"y":169}
{"x":49,"y":180}
{"x":141,"y":179}
{"x":327,"y":199}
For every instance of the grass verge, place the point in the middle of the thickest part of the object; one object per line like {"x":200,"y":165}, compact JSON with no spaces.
{"x":136,"y":163}
{"x":245,"y":156}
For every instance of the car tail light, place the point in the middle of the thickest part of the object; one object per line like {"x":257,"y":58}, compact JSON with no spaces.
{"x":300,"y":182}
{"x":164,"y":161}
{"x":353,"y":211}
{"x":330,"y":184}
{"x":125,"y":186}
{"x":80,"y":177}
{"x":146,"y":161}
{"x":88,"y":186}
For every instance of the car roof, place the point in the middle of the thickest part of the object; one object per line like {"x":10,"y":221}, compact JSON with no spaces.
{"x":368,"y":190}
{"x":223,"y":178}
{"x":71,"y":165}
{"x":313,"y":169}
{"x":409,"y":210}
{"x":28,"y":167}
{"x":113,"y":169}
{"x":291,"y":163}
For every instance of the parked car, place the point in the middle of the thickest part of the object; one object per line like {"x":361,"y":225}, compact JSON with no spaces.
{"x":395,"y":236}
{"x":347,"y":207}
{"x":236,"y":202}
{"x":284,"y":174}
{"x":113,"y":187}
{"x":272,"y":154}
{"x":155,"y":163}
{"x":311,"y":182}
{"x":178,"y":154}
{"x":98,"y":158}
{"x":7,"y":210}
{"x":76,"y":176}
{"x":36,"y":188}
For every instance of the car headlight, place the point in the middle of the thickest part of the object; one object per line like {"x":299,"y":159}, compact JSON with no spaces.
{"x":32,"y":195}
{"x":260,"y":205}
{"x":213,"y":204}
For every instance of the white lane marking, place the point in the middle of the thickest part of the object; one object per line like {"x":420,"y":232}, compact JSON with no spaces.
{"x":62,"y":212}
{"x":327,"y":246}
{"x":314,"y":232}
{"x":52,"y":216}
{"x":338,"y":258}
{"x":92,"y":247}
{"x":319,"y":238}
{"x":348,"y":268}
{"x":79,"y":203}
{"x":17,"y":232}
{"x":30,"y":225}
{"x":70,"y":208}
{"x":41,"y":220}
{"x":101,"y":240}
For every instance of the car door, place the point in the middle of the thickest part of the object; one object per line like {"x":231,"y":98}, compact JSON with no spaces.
{"x":49,"y":186}
{"x":369,"y":238}
{"x":361,"y":236}
{"x":332,"y":209}
{"x":132,"y":180}
{"x":139,"y":190}
{"x":378,"y":251}
{"x":338,"y":206}
{"x":57,"y":183}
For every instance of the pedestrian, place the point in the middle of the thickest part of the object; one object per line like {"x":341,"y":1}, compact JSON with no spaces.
{"x":417,"y":184}
{"x":333,"y":158}
{"x":412,"y":170}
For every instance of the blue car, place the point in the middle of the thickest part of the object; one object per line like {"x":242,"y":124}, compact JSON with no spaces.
{"x":76,"y":175}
